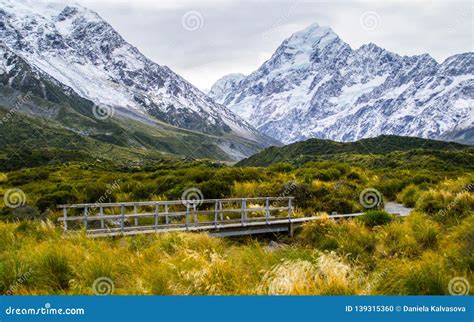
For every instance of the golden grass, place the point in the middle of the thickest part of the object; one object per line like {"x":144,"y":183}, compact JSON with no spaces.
{"x":415,"y":255}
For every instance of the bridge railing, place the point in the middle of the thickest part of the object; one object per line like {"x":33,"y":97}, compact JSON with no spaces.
{"x":184,"y":214}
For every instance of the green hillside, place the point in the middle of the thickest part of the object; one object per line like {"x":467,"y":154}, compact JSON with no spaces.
{"x":40,"y":119}
{"x":383,"y":151}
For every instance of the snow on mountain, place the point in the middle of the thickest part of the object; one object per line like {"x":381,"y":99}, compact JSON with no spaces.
{"x":316,"y":86}
{"x":76,"y":47}
{"x":225,"y":85}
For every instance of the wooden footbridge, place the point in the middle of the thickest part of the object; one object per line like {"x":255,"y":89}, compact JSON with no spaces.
{"x":220,"y":217}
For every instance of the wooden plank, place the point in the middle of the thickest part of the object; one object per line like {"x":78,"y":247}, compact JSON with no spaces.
{"x":150,"y":229}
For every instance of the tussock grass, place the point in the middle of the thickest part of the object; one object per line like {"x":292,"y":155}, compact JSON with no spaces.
{"x":379,"y":255}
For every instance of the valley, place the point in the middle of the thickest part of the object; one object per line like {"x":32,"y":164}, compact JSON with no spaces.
{"x":321,"y":129}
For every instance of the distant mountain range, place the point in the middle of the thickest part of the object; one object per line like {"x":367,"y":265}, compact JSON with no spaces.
{"x":69,"y":56}
{"x":316,"y":86}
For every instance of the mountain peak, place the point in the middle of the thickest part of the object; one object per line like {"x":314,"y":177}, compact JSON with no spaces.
{"x":78,"y":49}
{"x":313,"y":35}
{"x":316,"y":86}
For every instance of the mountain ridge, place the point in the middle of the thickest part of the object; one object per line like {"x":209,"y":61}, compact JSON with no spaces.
{"x":316,"y":85}
{"x":76,"y":50}
{"x":362,"y":150}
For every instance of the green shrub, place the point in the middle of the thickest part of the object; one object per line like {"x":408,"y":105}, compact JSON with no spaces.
{"x":95,"y":192}
{"x":143,"y":191}
{"x":50,"y":201}
{"x":320,"y":234}
{"x":408,"y":196}
{"x":56,"y":271}
{"x":328,"y":174}
{"x":281,"y":167}
{"x":214,"y":189}
{"x":390,"y":187}
{"x":374,"y":218}
{"x":426,"y":276}
{"x":339,"y":205}
{"x":425,"y":231}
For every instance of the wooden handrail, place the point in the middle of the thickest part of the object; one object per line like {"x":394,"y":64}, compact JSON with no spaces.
{"x":166,"y":202}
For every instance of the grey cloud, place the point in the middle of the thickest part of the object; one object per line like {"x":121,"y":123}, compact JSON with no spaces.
{"x":237,"y":36}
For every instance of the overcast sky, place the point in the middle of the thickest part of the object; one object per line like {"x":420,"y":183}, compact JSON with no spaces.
{"x":205,"y":40}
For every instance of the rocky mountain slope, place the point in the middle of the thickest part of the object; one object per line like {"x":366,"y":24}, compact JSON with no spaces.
{"x":316,"y":86}
{"x":78,"y":51}
{"x":43,"y":121}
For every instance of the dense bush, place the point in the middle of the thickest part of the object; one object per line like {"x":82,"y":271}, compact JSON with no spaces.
{"x":390,"y":187}
{"x":409,"y":196}
{"x":50,"y":201}
{"x":214,"y":189}
{"x":374,"y":218}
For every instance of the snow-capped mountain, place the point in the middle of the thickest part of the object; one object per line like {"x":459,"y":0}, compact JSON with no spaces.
{"x":80,"y":50}
{"x":316,"y":86}
{"x":225,"y":85}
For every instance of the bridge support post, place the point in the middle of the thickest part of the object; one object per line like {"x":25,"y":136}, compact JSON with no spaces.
{"x":267,"y":211}
{"x":291,"y":228}
{"x":101,"y":210}
{"x":220,"y":209}
{"x":135,"y":211}
{"x":215,"y":214}
{"x":187,"y":216}
{"x":122,"y":222}
{"x":157,"y":211}
{"x":290,"y":210}
{"x":85,"y":217}
{"x":243,"y":213}
{"x":65,"y":218}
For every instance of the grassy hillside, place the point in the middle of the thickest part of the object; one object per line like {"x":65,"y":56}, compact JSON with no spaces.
{"x":28,"y":140}
{"x":372,"y":151}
